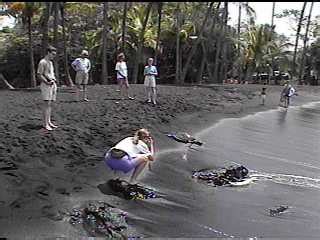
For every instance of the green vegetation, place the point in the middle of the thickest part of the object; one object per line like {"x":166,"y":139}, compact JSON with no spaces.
{"x":191,"y":41}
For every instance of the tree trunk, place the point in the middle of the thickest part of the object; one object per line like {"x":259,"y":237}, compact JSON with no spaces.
{"x":218,"y":51}
{"x":124,"y":20}
{"x":194,"y":47}
{"x":239,"y":52}
{"x":178,"y":19}
{"x":160,"y":5}
{"x":272,"y":33}
{"x":140,"y":45}
{"x":45,"y":28}
{"x":225,"y":46}
{"x":55,"y":40}
{"x":65,"y":52}
{"x":32,"y":69}
{"x":104,"y":76}
{"x":297,"y":39}
{"x":305,"y":40}
{"x":6,"y":82}
{"x":209,"y":69}
{"x":202,"y":66}
{"x":206,"y":60}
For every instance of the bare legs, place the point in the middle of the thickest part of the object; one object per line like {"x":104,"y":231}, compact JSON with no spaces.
{"x":152,"y":94}
{"x":148,"y":91}
{"x":124,"y":88}
{"x":142,"y":163}
{"x":47,"y":116}
{"x":84,"y":92}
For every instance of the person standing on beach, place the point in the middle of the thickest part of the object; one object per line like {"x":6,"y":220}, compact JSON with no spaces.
{"x":132,"y":153}
{"x":150,"y":73}
{"x":48,"y":85}
{"x":82,"y":67}
{"x":263,"y":95}
{"x":122,"y":75}
{"x":287,"y":92}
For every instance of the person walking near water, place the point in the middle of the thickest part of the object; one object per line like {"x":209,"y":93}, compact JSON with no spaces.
{"x":263,"y":94}
{"x":132,"y":153}
{"x":122,"y":75}
{"x":150,"y":73}
{"x":82,"y":67}
{"x":287,"y":92}
{"x":48,"y":86}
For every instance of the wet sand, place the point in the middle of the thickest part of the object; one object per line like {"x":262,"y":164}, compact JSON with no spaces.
{"x":45,"y":174}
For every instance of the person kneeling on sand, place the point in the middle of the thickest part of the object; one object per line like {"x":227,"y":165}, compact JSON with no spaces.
{"x":132,"y":153}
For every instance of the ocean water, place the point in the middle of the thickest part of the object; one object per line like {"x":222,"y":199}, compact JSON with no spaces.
{"x":280,"y":147}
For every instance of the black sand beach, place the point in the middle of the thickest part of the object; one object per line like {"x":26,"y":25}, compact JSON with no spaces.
{"x":46,"y":174}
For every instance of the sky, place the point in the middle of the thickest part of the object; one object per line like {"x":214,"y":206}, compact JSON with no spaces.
{"x":264,"y":12}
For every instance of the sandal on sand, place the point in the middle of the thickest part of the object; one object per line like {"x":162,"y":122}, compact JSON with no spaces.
{"x":52,"y":125}
{"x":131,"y":98}
{"x":48,"y":128}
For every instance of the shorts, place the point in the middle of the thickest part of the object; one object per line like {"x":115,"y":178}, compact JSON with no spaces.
{"x":82,"y":78}
{"x":150,"y":81}
{"x":48,"y":92}
{"x":125,"y":164}
{"x":123,"y":81}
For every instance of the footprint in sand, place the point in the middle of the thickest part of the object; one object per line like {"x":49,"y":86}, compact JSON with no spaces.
{"x":7,"y":165}
{"x":62,"y":191}
{"x":42,"y":191}
{"x":49,"y":212}
{"x":77,"y":189}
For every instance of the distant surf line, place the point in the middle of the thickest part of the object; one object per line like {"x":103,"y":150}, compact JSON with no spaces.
{"x":281,"y":159}
{"x":253,"y":115}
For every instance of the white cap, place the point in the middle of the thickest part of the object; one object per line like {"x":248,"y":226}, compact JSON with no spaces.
{"x":85,"y":52}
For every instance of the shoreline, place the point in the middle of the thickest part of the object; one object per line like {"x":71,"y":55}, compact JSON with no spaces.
{"x":61,"y":170}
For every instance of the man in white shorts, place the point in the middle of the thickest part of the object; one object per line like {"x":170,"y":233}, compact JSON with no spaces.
{"x":48,"y":85}
{"x":82,"y":67}
{"x":150,"y":73}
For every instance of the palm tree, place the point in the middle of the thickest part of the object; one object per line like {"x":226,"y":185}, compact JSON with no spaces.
{"x":160,"y":6}
{"x":272,"y":29}
{"x":178,"y":24}
{"x":305,"y":39}
{"x":45,"y":27}
{"x":218,"y":49}
{"x":297,"y":38}
{"x":65,"y":52}
{"x":224,"y":64}
{"x":124,"y":19}
{"x":140,"y":43}
{"x":104,"y":76}
{"x":194,"y":47}
{"x":55,"y":39}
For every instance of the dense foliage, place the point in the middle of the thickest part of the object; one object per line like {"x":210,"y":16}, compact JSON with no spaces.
{"x":191,"y":41}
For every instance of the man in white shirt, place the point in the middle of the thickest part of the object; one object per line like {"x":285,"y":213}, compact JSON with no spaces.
{"x":122,"y":75}
{"x":48,"y":86}
{"x":82,"y":67}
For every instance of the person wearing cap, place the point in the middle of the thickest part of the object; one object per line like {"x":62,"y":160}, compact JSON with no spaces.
{"x":122,"y":75}
{"x":82,"y":67}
